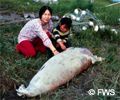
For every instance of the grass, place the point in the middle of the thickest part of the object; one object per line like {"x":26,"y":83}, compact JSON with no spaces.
{"x":15,"y":69}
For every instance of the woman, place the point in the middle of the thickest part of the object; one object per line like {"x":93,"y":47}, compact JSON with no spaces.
{"x":34,"y":36}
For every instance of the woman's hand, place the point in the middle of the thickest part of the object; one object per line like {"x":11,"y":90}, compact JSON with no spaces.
{"x":55,"y":52}
{"x":53,"y":49}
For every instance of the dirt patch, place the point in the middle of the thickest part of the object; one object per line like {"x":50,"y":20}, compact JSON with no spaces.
{"x":7,"y":17}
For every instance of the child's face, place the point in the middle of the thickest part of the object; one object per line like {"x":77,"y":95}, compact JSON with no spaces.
{"x":63,"y":28}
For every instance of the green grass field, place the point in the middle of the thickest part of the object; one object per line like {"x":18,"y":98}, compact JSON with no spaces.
{"x":16,"y":70}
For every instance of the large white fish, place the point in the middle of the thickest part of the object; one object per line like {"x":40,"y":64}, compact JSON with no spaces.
{"x":58,"y":70}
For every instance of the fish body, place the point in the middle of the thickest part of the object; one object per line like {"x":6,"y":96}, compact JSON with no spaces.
{"x":58,"y":70}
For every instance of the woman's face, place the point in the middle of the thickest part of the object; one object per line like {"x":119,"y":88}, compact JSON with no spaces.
{"x":46,"y":17}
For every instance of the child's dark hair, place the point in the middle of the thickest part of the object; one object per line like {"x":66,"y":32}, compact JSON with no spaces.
{"x":43,"y":9}
{"x":67,"y":21}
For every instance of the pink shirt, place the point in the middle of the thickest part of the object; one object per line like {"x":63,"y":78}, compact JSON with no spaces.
{"x":33,"y":29}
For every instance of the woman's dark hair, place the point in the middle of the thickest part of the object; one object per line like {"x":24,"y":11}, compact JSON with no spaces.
{"x":67,"y":21}
{"x":43,"y":9}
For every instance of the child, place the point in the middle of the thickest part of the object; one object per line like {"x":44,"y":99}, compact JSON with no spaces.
{"x":61,"y":33}
{"x":34,"y":36}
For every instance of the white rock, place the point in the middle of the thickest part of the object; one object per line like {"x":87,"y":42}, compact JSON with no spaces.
{"x":114,"y":31}
{"x":73,"y":17}
{"x":91,"y":23}
{"x":84,"y":28}
{"x":47,"y":1}
{"x":96,"y":28}
{"x":76,"y":11}
{"x":77,"y":18}
{"x":119,"y":19}
{"x":102,"y":26}
{"x":36,"y":0}
{"x":83,"y":12}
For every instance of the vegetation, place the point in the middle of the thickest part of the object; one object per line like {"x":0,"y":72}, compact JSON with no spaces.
{"x":15,"y":69}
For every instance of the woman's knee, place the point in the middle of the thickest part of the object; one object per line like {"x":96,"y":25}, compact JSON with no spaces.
{"x":30,"y":54}
{"x":26,"y":49}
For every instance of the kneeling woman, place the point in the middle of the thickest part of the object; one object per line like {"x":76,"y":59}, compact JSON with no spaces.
{"x":35,"y":35}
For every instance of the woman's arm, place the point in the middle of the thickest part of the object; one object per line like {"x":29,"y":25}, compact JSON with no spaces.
{"x":47,"y":42}
{"x":53,"y":49}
